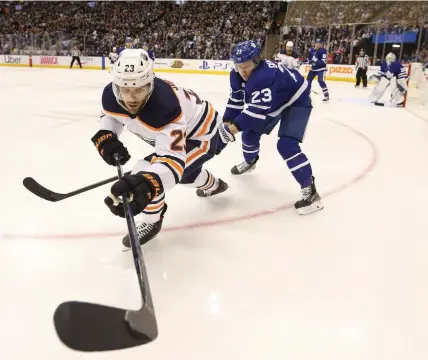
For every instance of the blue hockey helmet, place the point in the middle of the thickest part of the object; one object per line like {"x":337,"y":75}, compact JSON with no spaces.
{"x":319,"y":41}
{"x":245,"y":51}
{"x":129,"y":40}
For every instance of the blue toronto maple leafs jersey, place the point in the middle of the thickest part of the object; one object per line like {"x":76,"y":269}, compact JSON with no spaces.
{"x":393,"y":69}
{"x":318,"y":59}
{"x":151,"y":55}
{"x":256,"y":103}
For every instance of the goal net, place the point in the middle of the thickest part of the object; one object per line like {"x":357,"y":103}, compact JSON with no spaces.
{"x":417,"y":83}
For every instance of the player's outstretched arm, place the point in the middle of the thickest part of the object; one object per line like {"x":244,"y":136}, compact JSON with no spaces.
{"x":235,"y":102}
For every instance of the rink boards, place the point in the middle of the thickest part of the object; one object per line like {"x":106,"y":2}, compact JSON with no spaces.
{"x":187,"y":66}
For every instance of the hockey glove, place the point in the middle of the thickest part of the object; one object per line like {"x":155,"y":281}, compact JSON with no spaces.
{"x":225,"y":136}
{"x":374,"y":77}
{"x":108,"y":144}
{"x":141,"y":188}
{"x":225,"y":133}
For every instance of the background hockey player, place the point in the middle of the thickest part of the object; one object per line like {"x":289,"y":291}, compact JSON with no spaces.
{"x":290,"y":58}
{"x":149,"y":51}
{"x":113,"y":56}
{"x":393,"y":75}
{"x":129,"y":44}
{"x":318,"y":60}
{"x":271,"y":93}
{"x":183,"y":129}
{"x":362,"y":63}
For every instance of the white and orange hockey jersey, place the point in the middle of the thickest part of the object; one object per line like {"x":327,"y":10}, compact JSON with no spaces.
{"x":290,"y":61}
{"x":171,"y":116}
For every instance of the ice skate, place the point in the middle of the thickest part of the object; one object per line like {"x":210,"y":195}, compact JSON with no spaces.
{"x":326,"y":99}
{"x":146,"y":231}
{"x":244,"y":167}
{"x":310,"y":201}
{"x":222,"y":187}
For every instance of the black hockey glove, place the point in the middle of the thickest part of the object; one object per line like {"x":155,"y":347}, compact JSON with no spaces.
{"x":108,"y":144}
{"x":141,"y":188}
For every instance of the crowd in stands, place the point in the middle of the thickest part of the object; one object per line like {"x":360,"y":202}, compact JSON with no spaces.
{"x":205,"y":29}
{"x":193,"y":29}
{"x":214,"y":28}
{"x":321,"y":13}
{"x":306,"y":21}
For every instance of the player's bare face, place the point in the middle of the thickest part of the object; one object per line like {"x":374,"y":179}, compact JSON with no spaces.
{"x":133,"y":98}
{"x":245,"y":69}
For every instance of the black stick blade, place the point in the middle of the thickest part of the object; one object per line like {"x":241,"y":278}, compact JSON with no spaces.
{"x":40,"y":191}
{"x":92,"y":327}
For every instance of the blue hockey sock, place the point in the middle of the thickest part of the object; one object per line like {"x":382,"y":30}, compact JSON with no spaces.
{"x":250,"y":145}
{"x":324,"y":89}
{"x":296,"y":160}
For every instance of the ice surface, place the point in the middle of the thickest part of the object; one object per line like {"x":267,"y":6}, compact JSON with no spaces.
{"x":238,"y":276}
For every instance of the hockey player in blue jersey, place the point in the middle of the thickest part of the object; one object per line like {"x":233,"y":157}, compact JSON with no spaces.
{"x":318,"y":60}
{"x":149,"y":52}
{"x":129,"y":44}
{"x":271,"y":93}
{"x":392,"y":74}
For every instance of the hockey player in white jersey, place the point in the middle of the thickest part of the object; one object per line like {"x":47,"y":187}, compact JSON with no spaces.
{"x":393,"y":75}
{"x":290,"y":59}
{"x":182,"y":128}
{"x":113,"y":56}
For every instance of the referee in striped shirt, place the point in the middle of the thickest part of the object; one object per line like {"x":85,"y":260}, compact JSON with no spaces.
{"x":75,"y":53}
{"x":362,"y":63}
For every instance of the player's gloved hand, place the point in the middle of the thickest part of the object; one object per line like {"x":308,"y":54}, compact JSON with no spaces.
{"x":225,"y":134}
{"x":141,"y":188}
{"x":108,"y":144}
{"x":374,"y":77}
{"x":226,"y":137}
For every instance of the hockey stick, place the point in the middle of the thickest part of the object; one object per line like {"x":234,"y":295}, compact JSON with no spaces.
{"x":49,"y":195}
{"x":92,"y":327}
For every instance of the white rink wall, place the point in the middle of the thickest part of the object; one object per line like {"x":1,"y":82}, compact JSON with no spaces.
{"x":188,"y":66}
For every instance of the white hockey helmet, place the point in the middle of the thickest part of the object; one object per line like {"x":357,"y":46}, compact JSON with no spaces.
{"x":289,"y":44}
{"x":134,"y":69}
{"x":390,"y":58}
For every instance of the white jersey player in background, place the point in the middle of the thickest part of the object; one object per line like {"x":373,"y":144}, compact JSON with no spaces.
{"x":113,"y":57}
{"x":393,"y":75}
{"x":290,"y":59}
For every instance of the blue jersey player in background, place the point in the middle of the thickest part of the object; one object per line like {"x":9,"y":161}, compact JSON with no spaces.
{"x":149,"y":51}
{"x":318,"y":60}
{"x":262,"y":95}
{"x":392,"y":74}
{"x":129,"y":44}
